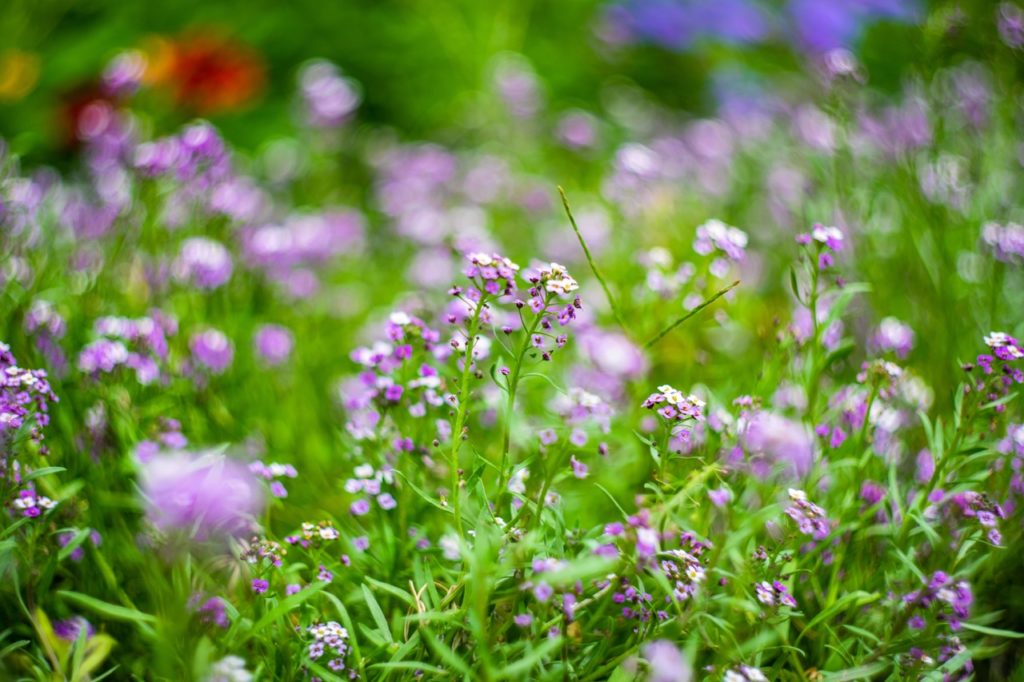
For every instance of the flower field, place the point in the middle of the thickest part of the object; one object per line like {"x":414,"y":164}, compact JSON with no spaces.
{"x":682,"y":349}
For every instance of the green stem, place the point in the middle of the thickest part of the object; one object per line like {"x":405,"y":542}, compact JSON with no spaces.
{"x":862,"y":437}
{"x":590,"y":260}
{"x":510,"y":403}
{"x":657,"y":337}
{"x":812,"y":356}
{"x":460,"y":417}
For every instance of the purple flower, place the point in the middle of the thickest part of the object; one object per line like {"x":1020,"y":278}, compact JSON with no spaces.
{"x":667,"y":663}
{"x":548,"y":436}
{"x":124,"y":73}
{"x":69,"y":629}
{"x":212,"y":350}
{"x":212,"y":611}
{"x":387,"y":501}
{"x":542,"y":592}
{"x":892,"y":336}
{"x":823,"y":26}
{"x":523,"y":620}
{"x":809,"y":517}
{"x":579,"y":469}
{"x":291,"y":589}
{"x":1005,"y":241}
{"x":273,"y":344}
{"x":25,"y":399}
{"x":259,"y":586}
{"x":360,"y":507}
{"x":784,"y":443}
{"x":203,"y":262}
{"x":1011,"y":24}
{"x":720,"y":497}
{"x":330,"y":99}
{"x":202,"y":495}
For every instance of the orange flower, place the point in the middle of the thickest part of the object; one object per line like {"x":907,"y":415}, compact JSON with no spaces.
{"x":206,"y":72}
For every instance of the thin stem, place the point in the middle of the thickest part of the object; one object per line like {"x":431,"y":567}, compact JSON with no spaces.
{"x":513,"y":385}
{"x":690,"y":314}
{"x":812,"y":388}
{"x":590,"y":260}
{"x":862,"y":438}
{"x":460,"y":418}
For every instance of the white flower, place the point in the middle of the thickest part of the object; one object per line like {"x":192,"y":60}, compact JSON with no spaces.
{"x":400,"y":318}
{"x":329,"y":533}
{"x":450,"y":548}
{"x":825,"y":234}
{"x":557,"y":279}
{"x":1003,"y":340}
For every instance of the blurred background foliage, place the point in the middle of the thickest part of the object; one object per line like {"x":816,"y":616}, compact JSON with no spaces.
{"x":425,"y":62}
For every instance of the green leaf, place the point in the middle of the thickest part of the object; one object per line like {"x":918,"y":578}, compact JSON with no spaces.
{"x":73,"y":544}
{"x":524,"y":665}
{"x":13,"y":646}
{"x":377,"y":613}
{"x":44,"y":471}
{"x":410,"y":665}
{"x":286,"y":605}
{"x":444,"y":652}
{"x":858,"y":598}
{"x":863,"y":633}
{"x":391,"y":589}
{"x":422,"y":493}
{"x":111,"y":611}
{"x":863,"y":672}
{"x":346,"y":620}
{"x":995,"y":632}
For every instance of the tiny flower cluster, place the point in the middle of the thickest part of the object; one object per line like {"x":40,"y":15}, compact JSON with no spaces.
{"x":369,"y":481}
{"x":556,"y":280}
{"x":315,"y":534}
{"x":676,"y":406}
{"x":999,"y":368}
{"x":774,"y":594}
{"x":494,"y":274}
{"x":31,"y":504}
{"x":25,"y":396}
{"x":744,"y":673}
{"x":1006,"y":241}
{"x":139,"y":344}
{"x":715,"y":236}
{"x":260,"y":549}
{"x":329,"y":638}
{"x":809,"y":517}
{"x":828,"y":241}
{"x":943,"y":591}
{"x":273,"y":472}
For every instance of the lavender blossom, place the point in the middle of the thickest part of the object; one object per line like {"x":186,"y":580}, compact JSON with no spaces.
{"x":212,"y":351}
{"x":778,"y":442}
{"x":202,"y":496}
{"x":273,"y":344}
{"x":203,"y":262}
{"x":328,"y":97}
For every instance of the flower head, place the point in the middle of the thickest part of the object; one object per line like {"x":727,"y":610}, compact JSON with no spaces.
{"x":200,"y":495}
